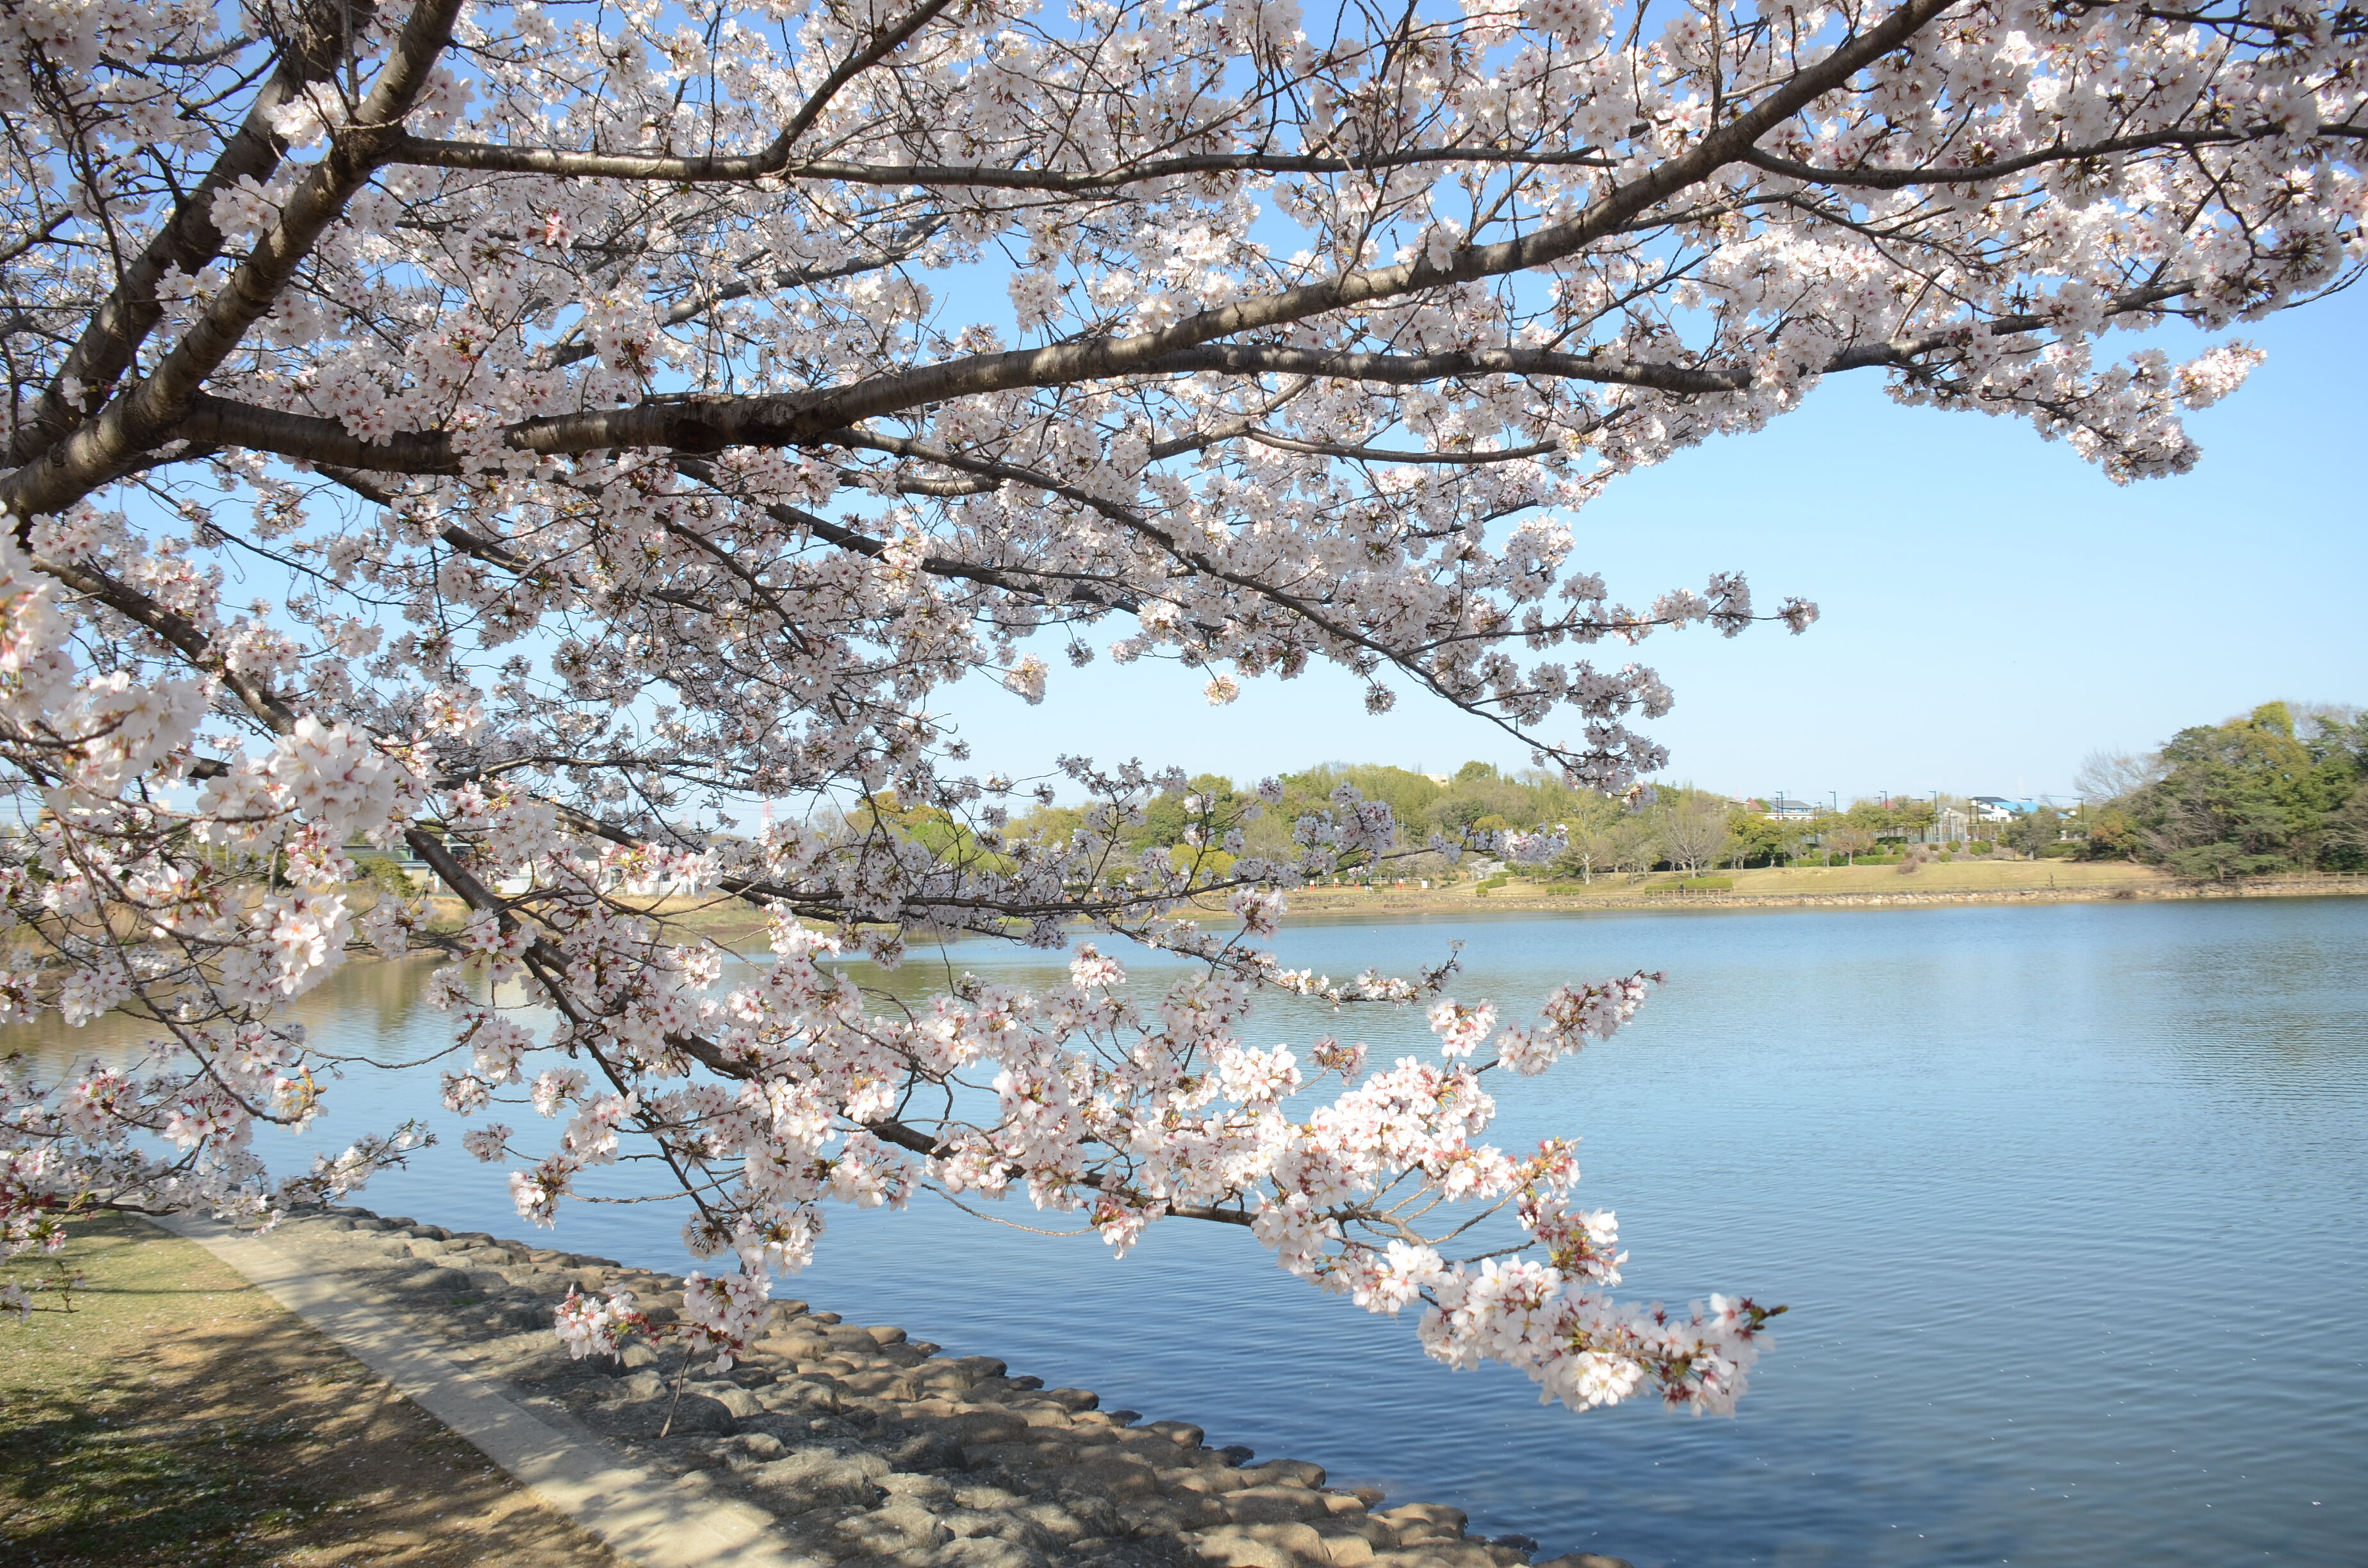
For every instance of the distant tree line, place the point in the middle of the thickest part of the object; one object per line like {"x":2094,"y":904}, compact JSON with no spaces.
{"x":1665,"y":827}
{"x":2262,"y":793}
{"x":1478,"y":797}
{"x":2270,"y":791}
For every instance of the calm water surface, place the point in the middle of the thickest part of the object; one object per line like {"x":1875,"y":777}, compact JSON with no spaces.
{"x":2066,"y":1202}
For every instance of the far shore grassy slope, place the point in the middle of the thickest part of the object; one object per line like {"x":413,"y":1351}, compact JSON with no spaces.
{"x":1887,"y":886}
{"x":1958,"y":881}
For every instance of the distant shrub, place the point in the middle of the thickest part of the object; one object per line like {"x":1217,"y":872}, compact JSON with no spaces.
{"x":384,"y":875}
{"x":2113,"y":836}
{"x":2219,"y":861}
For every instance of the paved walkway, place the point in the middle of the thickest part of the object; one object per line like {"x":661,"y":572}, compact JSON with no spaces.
{"x":650,"y":1519}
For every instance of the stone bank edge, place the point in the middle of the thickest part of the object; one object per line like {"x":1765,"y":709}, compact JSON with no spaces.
{"x":871,"y":1449}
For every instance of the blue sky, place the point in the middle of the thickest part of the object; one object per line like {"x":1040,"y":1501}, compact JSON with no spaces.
{"x":1994,"y":607}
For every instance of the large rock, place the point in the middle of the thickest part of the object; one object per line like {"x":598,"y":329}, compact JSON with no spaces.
{"x":797,"y":1396}
{"x":902,"y":1527}
{"x":1447,"y":1553}
{"x":440,"y":1282}
{"x":696,"y":1413}
{"x":1273,"y":1505}
{"x":1076,"y":1517}
{"x":757,"y":1447}
{"x":1346,"y":1551}
{"x":1426,"y":1521}
{"x":816,"y":1478}
{"x":1286,"y":1472}
{"x":970,"y":1369}
{"x":636,"y":1407}
{"x":1212,"y":1479}
{"x":1235,"y":1548}
{"x":986,"y":1552}
{"x":980,"y":1428}
{"x":1114,"y":1477}
{"x":513,"y":1313}
{"x":924,"y":1449}
{"x":1301,"y":1540}
{"x":1173,"y":1514}
{"x":743,"y":1405}
{"x":1036,"y":1454}
{"x":934,"y":1493}
{"x":879,"y":1382}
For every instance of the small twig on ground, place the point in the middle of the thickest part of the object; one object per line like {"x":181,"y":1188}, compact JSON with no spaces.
{"x":679,"y":1379}
{"x":18,"y":1297}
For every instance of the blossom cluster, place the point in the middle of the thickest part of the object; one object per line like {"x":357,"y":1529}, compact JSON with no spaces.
{"x":593,"y":395}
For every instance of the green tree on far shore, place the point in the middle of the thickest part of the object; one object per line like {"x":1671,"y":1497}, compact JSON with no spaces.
{"x":2271,"y":790}
{"x":2255,"y":795}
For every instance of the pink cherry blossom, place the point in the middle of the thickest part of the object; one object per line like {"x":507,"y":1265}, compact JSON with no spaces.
{"x":643,"y":425}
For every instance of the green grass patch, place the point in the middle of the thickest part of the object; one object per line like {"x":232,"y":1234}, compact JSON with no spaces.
{"x":84,"y":1482}
{"x":90,"y":1473}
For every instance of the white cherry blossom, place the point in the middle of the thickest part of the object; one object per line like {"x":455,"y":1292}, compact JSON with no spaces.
{"x":641,"y":419}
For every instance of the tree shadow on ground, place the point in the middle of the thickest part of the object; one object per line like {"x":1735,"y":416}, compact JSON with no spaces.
{"x":178,"y":1417}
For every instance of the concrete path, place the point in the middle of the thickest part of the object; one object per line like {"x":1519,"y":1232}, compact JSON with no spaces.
{"x":646,"y":1518}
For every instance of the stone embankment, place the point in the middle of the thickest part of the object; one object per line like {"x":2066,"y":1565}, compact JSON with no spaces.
{"x":871,"y":1449}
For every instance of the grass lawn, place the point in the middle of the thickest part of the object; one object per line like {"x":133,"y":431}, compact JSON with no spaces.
{"x":1952,"y":875}
{"x":1965,"y":877}
{"x":178,"y":1416}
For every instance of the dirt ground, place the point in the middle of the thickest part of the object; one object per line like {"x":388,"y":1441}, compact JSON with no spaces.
{"x":177,"y":1415}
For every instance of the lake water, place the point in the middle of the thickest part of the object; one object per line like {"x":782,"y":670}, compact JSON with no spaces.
{"x":2067,"y":1204}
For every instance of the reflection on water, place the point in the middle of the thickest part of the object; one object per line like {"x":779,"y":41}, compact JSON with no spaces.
{"x":366,"y":1008}
{"x":2060,"y":1197}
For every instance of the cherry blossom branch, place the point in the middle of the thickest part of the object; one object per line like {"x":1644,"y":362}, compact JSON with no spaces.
{"x":1876,"y":178}
{"x":708,"y":425}
{"x":139,"y":418}
{"x":325,"y":35}
{"x":479,"y":157}
{"x":684,"y":491}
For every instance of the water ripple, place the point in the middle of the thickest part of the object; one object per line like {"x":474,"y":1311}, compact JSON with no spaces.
{"x":2064,"y":1201}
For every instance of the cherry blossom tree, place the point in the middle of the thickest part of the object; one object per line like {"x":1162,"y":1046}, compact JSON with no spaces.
{"x":644,"y":411}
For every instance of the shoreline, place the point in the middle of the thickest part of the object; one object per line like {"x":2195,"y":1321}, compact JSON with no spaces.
{"x":1837,"y":887}
{"x":1513,"y":898}
{"x":839,"y":1444}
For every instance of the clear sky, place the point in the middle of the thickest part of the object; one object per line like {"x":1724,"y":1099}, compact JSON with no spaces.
{"x":1994,"y":607}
